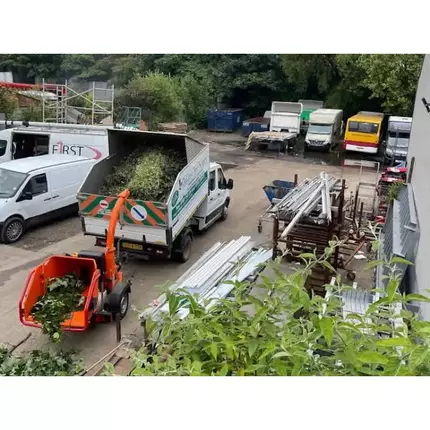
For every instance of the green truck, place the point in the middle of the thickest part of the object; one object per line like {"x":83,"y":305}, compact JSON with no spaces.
{"x":308,"y":107}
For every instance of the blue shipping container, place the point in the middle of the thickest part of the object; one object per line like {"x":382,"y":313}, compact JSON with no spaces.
{"x":224,"y":120}
{"x":259,"y":124}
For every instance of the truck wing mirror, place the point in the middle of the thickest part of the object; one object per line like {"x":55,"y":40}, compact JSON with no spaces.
{"x":230,"y":184}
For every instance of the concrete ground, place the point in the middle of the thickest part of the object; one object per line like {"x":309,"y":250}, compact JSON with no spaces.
{"x":250,"y":172}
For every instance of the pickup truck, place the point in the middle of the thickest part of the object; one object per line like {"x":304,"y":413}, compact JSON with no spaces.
{"x":198,"y":198}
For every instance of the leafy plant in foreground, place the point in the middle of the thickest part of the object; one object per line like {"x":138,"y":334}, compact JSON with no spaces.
{"x":284,"y":331}
{"x":38,"y":363}
{"x":63,"y":296}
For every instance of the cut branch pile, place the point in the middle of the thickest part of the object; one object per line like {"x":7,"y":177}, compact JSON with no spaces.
{"x":149,"y":174}
{"x":63,"y":296}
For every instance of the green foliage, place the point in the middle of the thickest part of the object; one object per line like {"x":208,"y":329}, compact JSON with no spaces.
{"x":182,"y":86}
{"x":393,"y":79}
{"x":38,"y":363}
{"x":149,"y":174}
{"x":196,"y":99}
{"x":31,"y":67}
{"x":287,"y":333}
{"x":63,"y":296}
{"x":393,"y":190}
{"x":8,"y":101}
{"x":312,"y":75}
{"x":157,"y":92}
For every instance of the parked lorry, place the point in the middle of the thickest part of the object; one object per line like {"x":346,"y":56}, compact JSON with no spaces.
{"x":286,"y":117}
{"x":397,"y":140}
{"x":325,"y":129}
{"x":309,"y":106}
{"x":23,"y":139}
{"x":199,"y":197}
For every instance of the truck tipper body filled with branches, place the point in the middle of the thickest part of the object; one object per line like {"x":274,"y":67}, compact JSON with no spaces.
{"x":165,"y":206}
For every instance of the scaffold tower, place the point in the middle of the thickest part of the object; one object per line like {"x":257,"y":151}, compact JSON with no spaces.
{"x":71,"y":106}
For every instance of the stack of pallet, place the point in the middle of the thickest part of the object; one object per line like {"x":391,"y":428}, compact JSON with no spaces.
{"x":174,"y":127}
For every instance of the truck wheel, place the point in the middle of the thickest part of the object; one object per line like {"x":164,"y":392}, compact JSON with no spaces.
{"x":13,"y":229}
{"x":184,"y":252}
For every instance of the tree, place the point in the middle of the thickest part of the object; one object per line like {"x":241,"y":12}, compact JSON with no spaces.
{"x":154,"y":91}
{"x":196,"y":99}
{"x":288,"y":333}
{"x":312,"y":75}
{"x":29,"y":68}
{"x":393,"y":79}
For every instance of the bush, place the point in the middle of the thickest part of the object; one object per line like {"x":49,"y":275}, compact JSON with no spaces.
{"x":8,"y":101}
{"x":196,"y":99}
{"x":157,"y":92}
{"x":38,"y":363}
{"x":288,"y":333}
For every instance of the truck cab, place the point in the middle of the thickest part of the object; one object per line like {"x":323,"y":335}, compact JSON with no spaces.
{"x":216,"y":205}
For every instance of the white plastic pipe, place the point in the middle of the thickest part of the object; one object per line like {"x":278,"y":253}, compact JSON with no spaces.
{"x":309,"y":203}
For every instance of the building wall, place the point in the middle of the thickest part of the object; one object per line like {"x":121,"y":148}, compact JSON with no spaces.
{"x":420,"y":149}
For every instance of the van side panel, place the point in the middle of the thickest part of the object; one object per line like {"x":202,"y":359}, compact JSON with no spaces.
{"x":65,"y":183}
{"x":93,"y":146}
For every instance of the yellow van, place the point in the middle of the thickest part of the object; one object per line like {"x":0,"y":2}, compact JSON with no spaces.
{"x":363,"y":132}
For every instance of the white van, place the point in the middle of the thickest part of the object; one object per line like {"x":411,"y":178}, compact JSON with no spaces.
{"x":325,"y":129}
{"x":29,"y":140}
{"x":35,"y":190}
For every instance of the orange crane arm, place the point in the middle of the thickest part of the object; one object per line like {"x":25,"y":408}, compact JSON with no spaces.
{"x":111,"y":266}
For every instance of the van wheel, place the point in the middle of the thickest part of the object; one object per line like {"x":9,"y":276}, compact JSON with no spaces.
{"x":224,"y":213}
{"x":13,"y":229}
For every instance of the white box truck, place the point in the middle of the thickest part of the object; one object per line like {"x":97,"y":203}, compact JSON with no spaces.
{"x":25,"y":139}
{"x":325,"y":129}
{"x":286,"y":117}
{"x":199,"y":197}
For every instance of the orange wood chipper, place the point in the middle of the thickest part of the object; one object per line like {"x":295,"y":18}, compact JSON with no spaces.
{"x":106,"y":294}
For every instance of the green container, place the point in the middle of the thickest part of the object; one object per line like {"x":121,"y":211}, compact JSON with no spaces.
{"x":308,"y":107}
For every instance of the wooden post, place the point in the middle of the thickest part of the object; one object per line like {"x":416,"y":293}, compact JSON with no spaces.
{"x":118,"y":327}
{"x":275,"y":233}
{"x":361,"y":214}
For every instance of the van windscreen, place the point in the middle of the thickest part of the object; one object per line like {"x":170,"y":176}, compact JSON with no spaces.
{"x":363,"y":127}
{"x":10,"y":182}
{"x":319,"y":128}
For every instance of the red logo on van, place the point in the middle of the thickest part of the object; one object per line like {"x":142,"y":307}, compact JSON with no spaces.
{"x":61,"y":148}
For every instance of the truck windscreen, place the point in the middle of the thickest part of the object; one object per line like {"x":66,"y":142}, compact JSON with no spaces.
{"x":363,"y":127}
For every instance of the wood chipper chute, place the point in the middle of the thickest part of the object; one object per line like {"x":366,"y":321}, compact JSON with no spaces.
{"x":106,"y":295}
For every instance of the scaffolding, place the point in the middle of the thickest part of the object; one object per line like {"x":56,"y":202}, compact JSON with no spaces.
{"x":98,"y":104}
